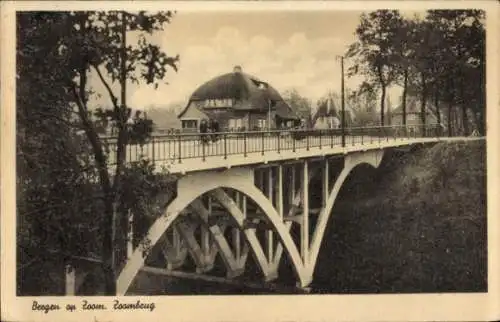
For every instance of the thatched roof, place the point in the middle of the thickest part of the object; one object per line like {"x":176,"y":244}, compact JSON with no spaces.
{"x":250,"y":93}
{"x":236,"y":85}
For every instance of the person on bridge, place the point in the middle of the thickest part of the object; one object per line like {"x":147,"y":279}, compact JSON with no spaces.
{"x":203,"y":131}
{"x":214,"y":127}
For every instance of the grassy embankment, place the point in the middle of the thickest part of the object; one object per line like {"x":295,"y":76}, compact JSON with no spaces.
{"x":418,"y":225}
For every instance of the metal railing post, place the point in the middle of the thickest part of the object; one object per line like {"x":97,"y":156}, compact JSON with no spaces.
{"x":225,"y":145}
{"x":262,"y":152}
{"x":203,"y":149}
{"x":153,"y":148}
{"x":245,"y":144}
{"x":320,"y":135}
{"x":279,"y":141}
{"x":180,"y":149}
{"x":307,"y":141}
{"x":293,"y":141}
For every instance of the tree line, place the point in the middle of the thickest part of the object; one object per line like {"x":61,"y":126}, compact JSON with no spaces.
{"x":437,"y":60}
{"x":440,"y":58}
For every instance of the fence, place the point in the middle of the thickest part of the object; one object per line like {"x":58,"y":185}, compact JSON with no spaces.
{"x":177,"y":147}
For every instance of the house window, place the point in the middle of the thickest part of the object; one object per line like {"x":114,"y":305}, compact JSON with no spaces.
{"x":189,"y":124}
{"x":235,"y":123}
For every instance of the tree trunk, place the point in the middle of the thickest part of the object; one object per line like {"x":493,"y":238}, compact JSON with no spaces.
{"x":405,"y":90}
{"x":465,"y":119}
{"x":382,"y":106}
{"x":482,"y":99}
{"x":423,"y":101}
{"x":450,"y":107}
{"x":108,"y":247}
{"x":458,"y":123}
{"x":382,"y":98}
{"x":106,"y":225}
{"x":449,"y":98}
{"x":436,"y":104}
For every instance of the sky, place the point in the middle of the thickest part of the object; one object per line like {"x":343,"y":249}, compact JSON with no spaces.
{"x":289,"y":50}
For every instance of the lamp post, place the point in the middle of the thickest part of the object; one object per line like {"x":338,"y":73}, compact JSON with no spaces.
{"x":269,"y":114}
{"x":342,"y":113}
{"x":265,"y":89}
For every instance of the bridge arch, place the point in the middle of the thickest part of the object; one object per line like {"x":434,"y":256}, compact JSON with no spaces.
{"x":192,"y":187}
{"x":351,"y":161}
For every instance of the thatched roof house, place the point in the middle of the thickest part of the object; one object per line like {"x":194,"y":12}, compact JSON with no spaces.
{"x":237,"y":101}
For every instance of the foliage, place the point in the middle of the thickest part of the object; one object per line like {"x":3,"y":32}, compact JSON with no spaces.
{"x":298,"y":103}
{"x":56,"y":53}
{"x":441,"y":56}
{"x":374,"y":50}
{"x":147,"y":196}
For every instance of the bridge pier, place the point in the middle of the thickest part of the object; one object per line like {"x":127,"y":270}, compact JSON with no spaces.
{"x":174,"y":251}
{"x":304,"y":235}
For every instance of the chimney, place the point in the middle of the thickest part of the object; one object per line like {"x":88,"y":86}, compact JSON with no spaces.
{"x":237,"y":69}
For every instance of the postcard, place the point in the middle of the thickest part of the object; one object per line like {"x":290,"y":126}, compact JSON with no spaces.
{"x":249,"y":160}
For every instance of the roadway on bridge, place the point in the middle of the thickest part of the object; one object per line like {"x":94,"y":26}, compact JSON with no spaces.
{"x":191,"y":155}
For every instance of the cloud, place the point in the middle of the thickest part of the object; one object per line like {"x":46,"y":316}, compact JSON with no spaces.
{"x":293,"y":61}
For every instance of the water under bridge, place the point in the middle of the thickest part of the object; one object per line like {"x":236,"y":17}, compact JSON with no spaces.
{"x":242,"y":194}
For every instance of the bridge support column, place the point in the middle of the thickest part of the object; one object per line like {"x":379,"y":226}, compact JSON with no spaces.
{"x":304,"y":235}
{"x":187,"y":230}
{"x":74,"y":279}
{"x":269,"y":233}
{"x":234,"y":263}
{"x":70,"y":280}
{"x":236,"y":231}
{"x":205,"y":234}
{"x":130,"y":234}
{"x":174,"y":251}
{"x":279,"y":192}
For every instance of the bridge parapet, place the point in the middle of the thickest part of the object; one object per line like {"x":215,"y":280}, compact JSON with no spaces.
{"x":179,"y":148}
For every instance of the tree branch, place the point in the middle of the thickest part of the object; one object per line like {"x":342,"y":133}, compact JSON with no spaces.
{"x":94,"y":141}
{"x":112,"y":96}
{"x":121,"y":129}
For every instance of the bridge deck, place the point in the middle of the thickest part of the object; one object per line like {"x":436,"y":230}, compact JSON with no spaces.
{"x":230,"y":152}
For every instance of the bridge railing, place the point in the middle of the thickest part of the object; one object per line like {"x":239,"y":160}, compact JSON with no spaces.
{"x":177,"y":147}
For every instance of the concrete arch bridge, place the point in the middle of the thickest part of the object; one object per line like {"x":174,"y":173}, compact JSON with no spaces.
{"x":251,"y":194}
